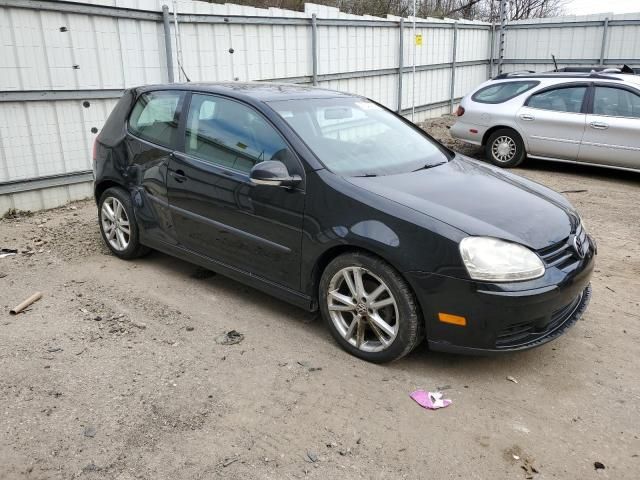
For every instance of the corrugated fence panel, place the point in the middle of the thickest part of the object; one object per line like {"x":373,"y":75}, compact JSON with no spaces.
{"x":624,"y":43}
{"x":9,"y":71}
{"x":107,"y":42}
{"x":468,"y":78}
{"x":45,"y":198}
{"x":43,"y":50}
{"x":431,"y":86}
{"x":49,"y":137}
{"x":422,"y":115}
{"x":437,"y":45}
{"x":352,"y":48}
{"x":473,"y":44}
{"x":540,"y":42}
{"x":15,"y":132}
{"x":259,"y":51}
{"x":139,"y":45}
{"x":28,"y":55}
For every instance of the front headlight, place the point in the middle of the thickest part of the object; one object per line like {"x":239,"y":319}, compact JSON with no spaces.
{"x":492,"y":259}
{"x":581,"y":222}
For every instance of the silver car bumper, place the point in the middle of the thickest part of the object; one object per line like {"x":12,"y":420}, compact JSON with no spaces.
{"x":468,"y":132}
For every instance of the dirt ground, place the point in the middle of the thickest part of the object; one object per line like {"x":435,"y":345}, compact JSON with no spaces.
{"x":118,"y":373}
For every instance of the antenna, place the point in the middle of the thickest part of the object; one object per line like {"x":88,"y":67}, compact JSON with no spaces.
{"x":555,"y":64}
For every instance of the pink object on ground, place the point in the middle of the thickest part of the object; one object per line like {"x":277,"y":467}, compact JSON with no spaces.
{"x":430,"y":400}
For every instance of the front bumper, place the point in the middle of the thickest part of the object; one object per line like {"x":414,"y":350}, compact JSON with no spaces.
{"x":501,"y":317}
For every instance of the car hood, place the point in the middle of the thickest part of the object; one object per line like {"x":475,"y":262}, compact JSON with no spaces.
{"x":480,"y":200}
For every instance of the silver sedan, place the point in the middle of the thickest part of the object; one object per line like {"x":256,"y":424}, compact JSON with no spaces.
{"x":591,"y":118}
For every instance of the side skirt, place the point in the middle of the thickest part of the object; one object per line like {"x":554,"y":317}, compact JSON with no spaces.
{"x":290,"y":296}
{"x":576,"y":162}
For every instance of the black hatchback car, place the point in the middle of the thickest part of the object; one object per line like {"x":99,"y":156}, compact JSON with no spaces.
{"x":330,"y":201}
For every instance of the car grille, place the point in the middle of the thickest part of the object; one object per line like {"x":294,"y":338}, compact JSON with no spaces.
{"x":568,"y":252}
{"x":525,"y":332}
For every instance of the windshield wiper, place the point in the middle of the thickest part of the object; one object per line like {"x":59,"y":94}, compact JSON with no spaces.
{"x":428,"y":166}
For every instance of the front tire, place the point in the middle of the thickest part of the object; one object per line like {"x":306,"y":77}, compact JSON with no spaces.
{"x":505,"y":148}
{"x":118,"y":225}
{"x":369,"y":308}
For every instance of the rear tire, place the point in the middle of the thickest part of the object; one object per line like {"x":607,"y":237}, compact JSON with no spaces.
{"x":118,"y":224}
{"x":369,"y":308}
{"x":505,"y":148}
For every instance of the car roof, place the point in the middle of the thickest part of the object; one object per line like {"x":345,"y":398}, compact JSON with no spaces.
{"x":604,"y":75}
{"x":635,"y":79}
{"x":260,"y":91}
{"x":548,"y":79}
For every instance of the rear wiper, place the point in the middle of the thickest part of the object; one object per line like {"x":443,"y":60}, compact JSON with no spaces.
{"x":428,"y":166}
{"x":366,"y":175}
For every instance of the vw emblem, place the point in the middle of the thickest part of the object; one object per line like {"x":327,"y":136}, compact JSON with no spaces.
{"x":577,"y":246}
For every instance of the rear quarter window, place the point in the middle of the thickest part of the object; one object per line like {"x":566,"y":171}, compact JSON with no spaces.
{"x":155,"y":117}
{"x":503,"y":91}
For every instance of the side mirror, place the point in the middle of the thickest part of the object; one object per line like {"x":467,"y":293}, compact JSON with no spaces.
{"x":274,"y":173}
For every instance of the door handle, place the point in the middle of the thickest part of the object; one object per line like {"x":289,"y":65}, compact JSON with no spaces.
{"x":526,"y":116}
{"x":178,"y":175}
{"x":599,"y":125}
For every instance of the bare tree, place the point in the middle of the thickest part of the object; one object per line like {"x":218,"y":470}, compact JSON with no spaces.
{"x":468,"y":9}
{"x":521,"y":9}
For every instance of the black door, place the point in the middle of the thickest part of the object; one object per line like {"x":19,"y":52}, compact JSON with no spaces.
{"x":216,"y":209}
{"x":152,"y":137}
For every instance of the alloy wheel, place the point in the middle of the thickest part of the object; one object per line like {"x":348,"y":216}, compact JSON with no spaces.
{"x":115,"y":223}
{"x":363,"y":309}
{"x":504,"y":149}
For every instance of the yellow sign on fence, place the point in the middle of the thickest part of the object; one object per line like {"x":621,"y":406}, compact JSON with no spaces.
{"x":419,"y":40}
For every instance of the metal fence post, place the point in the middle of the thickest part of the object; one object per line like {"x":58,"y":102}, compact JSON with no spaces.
{"x":503,"y":23}
{"x":167,"y":42}
{"x":491,"y":47}
{"x":604,"y":40}
{"x":314,"y":48}
{"x":400,"y":64}
{"x":453,"y":65}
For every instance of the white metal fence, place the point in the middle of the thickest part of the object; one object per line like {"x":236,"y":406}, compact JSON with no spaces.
{"x":602,"y":39}
{"x":64,"y":64}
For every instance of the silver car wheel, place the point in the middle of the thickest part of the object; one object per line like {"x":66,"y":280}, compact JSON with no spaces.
{"x":363,"y":309}
{"x":115,"y":223}
{"x":504,"y":149}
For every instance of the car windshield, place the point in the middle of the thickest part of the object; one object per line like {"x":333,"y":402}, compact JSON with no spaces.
{"x":355,"y":137}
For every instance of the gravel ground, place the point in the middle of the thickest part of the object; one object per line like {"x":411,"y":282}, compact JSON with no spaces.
{"x":119,"y":372}
{"x":439,"y":129}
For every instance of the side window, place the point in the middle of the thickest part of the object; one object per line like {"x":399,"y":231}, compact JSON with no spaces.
{"x":155,"y":117}
{"x":503,"y":91}
{"x":564,"y":99}
{"x":232,"y":135}
{"x":616,"y":102}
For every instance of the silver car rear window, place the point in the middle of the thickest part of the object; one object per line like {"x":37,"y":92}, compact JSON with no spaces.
{"x":503,"y":91}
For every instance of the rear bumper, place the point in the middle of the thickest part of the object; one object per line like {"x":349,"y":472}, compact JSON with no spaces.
{"x":500,"y":318}
{"x":465,"y":131}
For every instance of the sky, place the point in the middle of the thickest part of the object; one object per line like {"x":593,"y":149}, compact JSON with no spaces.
{"x":585,"y":7}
